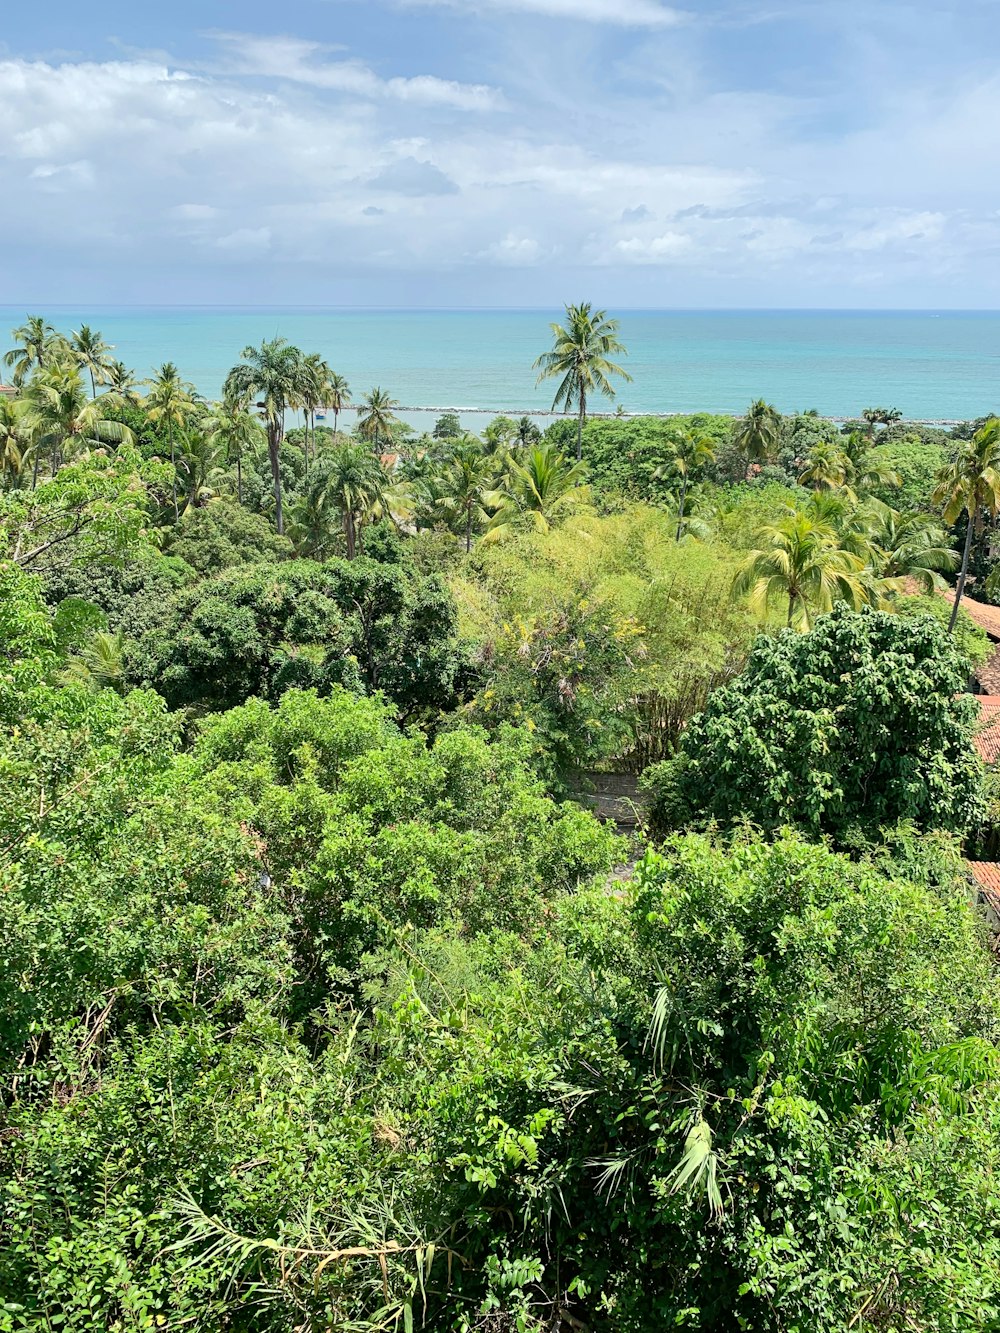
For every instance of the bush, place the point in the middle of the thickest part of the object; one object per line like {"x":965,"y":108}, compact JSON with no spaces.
{"x":850,"y":728}
{"x":259,"y":630}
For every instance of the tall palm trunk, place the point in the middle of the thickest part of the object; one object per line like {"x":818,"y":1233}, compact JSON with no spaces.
{"x":239,"y":478}
{"x":468,"y":530}
{"x":273,"y":452}
{"x":964,"y":572}
{"x":680,"y":515}
{"x":581,"y":417}
{"x":349,"y":532}
{"x":173,"y":467}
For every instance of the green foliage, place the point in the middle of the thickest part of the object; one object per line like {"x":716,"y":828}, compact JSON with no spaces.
{"x":260,"y":629}
{"x":623,"y":456}
{"x":222,"y":535}
{"x":917,"y":464}
{"x":847,"y":729}
{"x":316,"y":1025}
{"x":91,"y":512}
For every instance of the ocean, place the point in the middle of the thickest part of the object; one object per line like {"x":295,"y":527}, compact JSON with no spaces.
{"x":933,"y":365}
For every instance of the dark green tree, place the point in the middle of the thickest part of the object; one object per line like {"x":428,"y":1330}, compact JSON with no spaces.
{"x":841,"y":731}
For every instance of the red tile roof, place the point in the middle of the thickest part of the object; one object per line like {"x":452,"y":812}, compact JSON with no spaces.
{"x":987,"y":876}
{"x":986,"y":617}
{"x":987,"y":737}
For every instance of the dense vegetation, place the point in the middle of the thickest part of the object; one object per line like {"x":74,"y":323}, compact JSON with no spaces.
{"x":327,"y":1006}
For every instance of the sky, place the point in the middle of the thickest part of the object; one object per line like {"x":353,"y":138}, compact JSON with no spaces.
{"x":438,"y":153}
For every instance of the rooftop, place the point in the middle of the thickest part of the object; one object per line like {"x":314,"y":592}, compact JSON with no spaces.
{"x":987,"y":737}
{"x":987,"y":876}
{"x":986,"y":617}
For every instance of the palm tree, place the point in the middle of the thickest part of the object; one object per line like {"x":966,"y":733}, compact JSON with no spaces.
{"x":199,"y":464}
{"x":971,"y":485}
{"x":35,"y":339}
{"x":338,"y":396}
{"x":880,"y":416}
{"x":355,"y":483}
{"x":233,"y":427}
{"x":313,"y":392}
{"x":122,"y":382}
{"x":92,"y":354}
{"x":910,"y":546}
{"x":376,"y":422}
{"x":543,"y":486}
{"x":100,"y":665}
{"x":689,"y":452}
{"x":527,"y":432}
{"x":758,"y":435}
{"x":826,"y":468}
{"x":273,"y":372}
{"x":58,"y":413}
{"x":468,"y":487}
{"x":14,"y":442}
{"x":579,"y":360}
{"x":170,"y":401}
{"x":800,"y":562}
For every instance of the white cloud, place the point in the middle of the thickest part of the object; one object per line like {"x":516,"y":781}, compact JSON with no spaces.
{"x":304,"y":62}
{"x":625,"y":13}
{"x":514,"y":249}
{"x":654,"y":249}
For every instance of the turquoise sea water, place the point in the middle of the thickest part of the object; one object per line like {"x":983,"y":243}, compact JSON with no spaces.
{"x":933,"y":365}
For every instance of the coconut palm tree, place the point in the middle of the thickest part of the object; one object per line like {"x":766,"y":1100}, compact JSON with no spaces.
{"x":60,"y":417}
{"x":376,"y":422}
{"x":758,"y":435}
{"x":689,"y":453}
{"x":971,"y":485}
{"x":34,"y":338}
{"x":355,"y":483}
{"x":579,"y":359}
{"x":199,"y":465}
{"x":527,"y":432}
{"x":826,"y":468}
{"x":468,"y":487}
{"x":122,"y":382}
{"x":92,"y":355}
{"x":15,"y":443}
{"x":541,"y":487}
{"x":98,"y":666}
{"x":910,"y":546}
{"x":170,"y":402}
{"x":273,"y":373}
{"x":799,"y":562}
{"x":338,"y":396}
{"x":237,"y":430}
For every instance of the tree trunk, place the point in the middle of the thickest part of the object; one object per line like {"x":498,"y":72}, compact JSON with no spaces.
{"x":680,"y":515}
{"x":963,"y":575}
{"x":173,"y":468}
{"x":239,"y":478}
{"x":349,"y":533}
{"x":336,"y":414}
{"x":579,"y":426}
{"x":93,"y":385}
{"x":468,"y":531}
{"x":273,"y":448}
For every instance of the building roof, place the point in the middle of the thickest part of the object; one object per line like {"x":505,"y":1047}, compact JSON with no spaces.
{"x":987,"y":737}
{"x":987,"y":876}
{"x":986,"y":617}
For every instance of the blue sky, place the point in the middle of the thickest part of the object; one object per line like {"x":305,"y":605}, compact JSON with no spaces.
{"x":501,"y":152}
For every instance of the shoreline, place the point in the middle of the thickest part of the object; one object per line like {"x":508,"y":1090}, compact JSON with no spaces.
{"x":641,"y":416}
